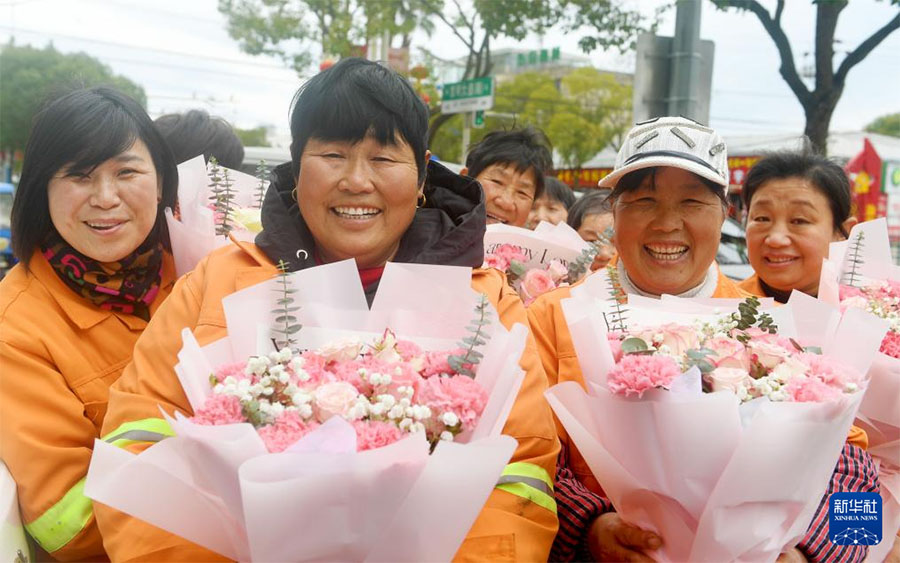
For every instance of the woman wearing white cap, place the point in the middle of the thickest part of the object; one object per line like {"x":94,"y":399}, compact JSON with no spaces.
{"x":668,"y":200}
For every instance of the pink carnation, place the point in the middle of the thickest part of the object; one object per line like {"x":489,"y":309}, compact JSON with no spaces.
{"x":286,"y":431}
{"x":459,"y":394}
{"x":408,"y":350}
{"x":436,"y":362}
{"x":811,"y":390}
{"x":615,"y":345}
{"x":890,"y":346}
{"x":314,"y":365}
{"x":235,"y":370}
{"x":218,"y":410}
{"x":829,"y":370}
{"x":371,"y":434}
{"x":638,"y":373}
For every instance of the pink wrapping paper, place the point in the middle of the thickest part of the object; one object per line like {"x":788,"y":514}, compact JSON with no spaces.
{"x":218,"y":487}
{"x":879,"y":414}
{"x":717,"y":480}
{"x":194,"y":235}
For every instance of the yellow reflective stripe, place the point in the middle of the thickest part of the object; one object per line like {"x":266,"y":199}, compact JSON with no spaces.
{"x":525,"y":491}
{"x":528,"y":481}
{"x":529,"y":470}
{"x":64,"y":520}
{"x":139,"y":431}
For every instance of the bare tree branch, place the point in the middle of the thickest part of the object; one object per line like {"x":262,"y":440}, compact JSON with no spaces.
{"x":865,"y":48}
{"x":773,"y":28}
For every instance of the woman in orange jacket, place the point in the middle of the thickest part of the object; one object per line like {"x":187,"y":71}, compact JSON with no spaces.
{"x":360,"y":185}
{"x":89,"y":231}
{"x":668,"y":200}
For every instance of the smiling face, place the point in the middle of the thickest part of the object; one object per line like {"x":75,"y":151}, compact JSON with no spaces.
{"x":547,"y":209}
{"x":107,"y":212}
{"x":508,"y":193}
{"x":789,"y":228}
{"x":668,"y":230}
{"x":357,"y":198}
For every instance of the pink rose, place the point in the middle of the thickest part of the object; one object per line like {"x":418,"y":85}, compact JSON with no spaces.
{"x":768,"y":354}
{"x":855,"y":302}
{"x":558,"y":272}
{"x":510,"y":252}
{"x":728,"y":379}
{"x":494,"y":261}
{"x":728,"y":353}
{"x":535,"y":283}
{"x":334,"y":399}
{"x":678,"y":339}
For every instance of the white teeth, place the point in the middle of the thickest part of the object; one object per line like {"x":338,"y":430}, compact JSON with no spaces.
{"x":780,"y":260}
{"x":667,"y":249}
{"x":499,"y":220}
{"x":101,"y":225}
{"x":357,"y":211}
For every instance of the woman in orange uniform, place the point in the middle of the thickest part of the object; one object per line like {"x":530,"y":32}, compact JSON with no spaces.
{"x":360,"y":185}
{"x":89,"y":231}
{"x":669,"y":187}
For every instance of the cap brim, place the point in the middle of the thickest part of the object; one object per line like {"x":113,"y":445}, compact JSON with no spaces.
{"x":611,"y":179}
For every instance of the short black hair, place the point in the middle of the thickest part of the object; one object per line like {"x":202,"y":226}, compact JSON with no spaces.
{"x":595,"y":202}
{"x":195,"y":132}
{"x":82,"y":129}
{"x":824,"y":174}
{"x":356,"y":98}
{"x":633,"y":180}
{"x":556,"y":190}
{"x":527,"y":149}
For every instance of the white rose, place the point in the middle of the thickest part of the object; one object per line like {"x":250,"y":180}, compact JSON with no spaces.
{"x":341,"y":350}
{"x":334,"y":399}
{"x":768,"y":354}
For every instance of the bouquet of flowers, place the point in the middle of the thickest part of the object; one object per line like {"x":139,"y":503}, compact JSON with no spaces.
{"x":214,"y":202}
{"x":859,"y":274}
{"x":346,"y":439}
{"x":717,"y":430}
{"x":538,"y":261}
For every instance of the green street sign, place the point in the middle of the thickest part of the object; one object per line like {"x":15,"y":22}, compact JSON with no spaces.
{"x":478,"y":119}
{"x":468,"y":95}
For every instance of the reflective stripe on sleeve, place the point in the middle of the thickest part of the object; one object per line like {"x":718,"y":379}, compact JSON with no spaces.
{"x":138,"y":431}
{"x":64,"y":520}
{"x":528,"y":481}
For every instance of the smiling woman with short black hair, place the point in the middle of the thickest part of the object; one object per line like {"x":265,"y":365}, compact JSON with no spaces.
{"x":361,"y":186}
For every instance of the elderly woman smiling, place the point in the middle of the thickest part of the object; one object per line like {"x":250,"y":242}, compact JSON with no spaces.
{"x":89,"y":230}
{"x":360,"y":185}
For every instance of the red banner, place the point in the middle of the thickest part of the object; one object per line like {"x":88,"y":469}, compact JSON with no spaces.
{"x":864,"y":171}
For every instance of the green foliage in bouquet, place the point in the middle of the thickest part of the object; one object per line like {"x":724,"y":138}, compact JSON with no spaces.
{"x":616,"y":319}
{"x":284,"y":311}
{"x":262,"y":175}
{"x":580,"y":265}
{"x":463,"y":364}
{"x":516,"y":270}
{"x":748,"y":316}
{"x":852,"y":277}
{"x":222,"y":196}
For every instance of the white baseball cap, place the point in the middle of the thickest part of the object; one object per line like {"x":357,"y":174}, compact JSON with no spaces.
{"x":672,"y":141}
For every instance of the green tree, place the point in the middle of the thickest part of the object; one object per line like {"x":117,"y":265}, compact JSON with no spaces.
{"x":30,"y":76}
{"x":818,"y":103}
{"x":255,"y":137}
{"x":287,"y":28}
{"x":886,"y":125}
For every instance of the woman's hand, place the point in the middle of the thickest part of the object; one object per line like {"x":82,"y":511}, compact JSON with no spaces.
{"x":792,"y":555}
{"x":612,"y":539}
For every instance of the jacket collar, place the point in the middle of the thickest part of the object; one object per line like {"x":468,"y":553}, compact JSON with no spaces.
{"x":448,"y":230}
{"x":82,"y":312}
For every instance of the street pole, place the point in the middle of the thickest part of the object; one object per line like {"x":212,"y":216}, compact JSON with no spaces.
{"x":466,"y":133}
{"x":684,"y":82}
